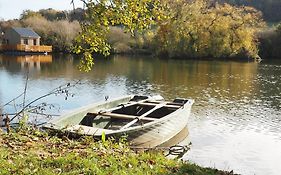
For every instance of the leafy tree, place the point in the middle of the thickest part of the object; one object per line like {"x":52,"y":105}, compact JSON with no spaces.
{"x":200,"y":29}
{"x":52,"y":15}
{"x":29,"y":13}
{"x":4,"y":25}
{"x":132,"y":15}
{"x":49,"y":14}
{"x":76,"y":14}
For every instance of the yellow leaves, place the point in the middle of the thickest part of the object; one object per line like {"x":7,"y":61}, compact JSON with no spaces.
{"x":86,"y":62}
{"x":199,"y":30}
{"x":133,"y":15}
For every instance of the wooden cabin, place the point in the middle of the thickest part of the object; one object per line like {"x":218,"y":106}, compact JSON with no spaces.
{"x":24,"y":40}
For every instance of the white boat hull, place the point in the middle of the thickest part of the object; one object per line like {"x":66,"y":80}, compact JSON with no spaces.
{"x":148,"y":135}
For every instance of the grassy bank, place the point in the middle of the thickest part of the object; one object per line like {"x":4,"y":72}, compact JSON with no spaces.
{"x":34,"y":152}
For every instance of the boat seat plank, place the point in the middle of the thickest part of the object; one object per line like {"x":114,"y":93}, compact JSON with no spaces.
{"x":166,"y":105}
{"x":122,"y":116}
{"x":143,"y":115}
{"x":130,"y":103}
{"x":161,"y":102}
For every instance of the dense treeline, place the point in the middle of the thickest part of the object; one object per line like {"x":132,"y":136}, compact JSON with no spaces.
{"x":192,"y":28}
{"x":186,"y":29}
{"x":53,"y":15}
{"x":201,"y":29}
{"x":271,"y":9}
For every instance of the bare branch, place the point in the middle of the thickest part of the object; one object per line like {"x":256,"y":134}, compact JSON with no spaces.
{"x":60,"y":89}
{"x":25,"y":87}
{"x":8,"y":103}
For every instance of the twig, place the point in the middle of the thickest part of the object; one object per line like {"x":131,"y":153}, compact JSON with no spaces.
{"x":41,"y":124}
{"x":15,"y":105}
{"x":54,"y":91}
{"x":12,"y":100}
{"x":44,"y":114}
{"x":25,"y":88}
{"x":7,"y":114}
{"x":73,"y":5}
{"x":85,"y":3}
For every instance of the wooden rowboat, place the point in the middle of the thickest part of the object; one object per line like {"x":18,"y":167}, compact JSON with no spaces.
{"x":146,"y":121}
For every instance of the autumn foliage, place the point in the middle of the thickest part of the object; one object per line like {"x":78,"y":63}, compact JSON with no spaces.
{"x":199,"y":29}
{"x":185,"y":29}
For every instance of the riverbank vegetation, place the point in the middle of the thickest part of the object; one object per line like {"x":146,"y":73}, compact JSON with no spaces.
{"x":186,"y":29}
{"x":30,"y":151}
{"x":193,"y":29}
{"x":200,"y":29}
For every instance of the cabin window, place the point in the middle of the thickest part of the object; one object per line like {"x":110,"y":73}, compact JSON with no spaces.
{"x":34,"y":42}
{"x":25,"y":41}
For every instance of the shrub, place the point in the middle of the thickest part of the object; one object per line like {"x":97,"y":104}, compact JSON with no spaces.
{"x":60,"y":34}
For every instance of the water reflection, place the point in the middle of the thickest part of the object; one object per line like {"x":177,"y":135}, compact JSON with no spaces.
{"x":21,"y":63}
{"x":235,"y":122}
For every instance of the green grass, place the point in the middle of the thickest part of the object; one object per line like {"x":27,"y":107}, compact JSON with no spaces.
{"x":34,"y":152}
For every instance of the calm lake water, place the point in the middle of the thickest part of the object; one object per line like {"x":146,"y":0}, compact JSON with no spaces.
{"x":236,"y":119}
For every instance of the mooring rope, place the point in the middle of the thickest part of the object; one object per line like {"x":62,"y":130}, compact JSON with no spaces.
{"x":176,"y":150}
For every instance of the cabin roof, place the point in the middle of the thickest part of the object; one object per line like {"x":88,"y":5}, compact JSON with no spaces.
{"x":26,"y":32}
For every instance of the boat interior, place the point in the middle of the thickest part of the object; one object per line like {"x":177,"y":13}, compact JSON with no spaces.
{"x":134,"y":113}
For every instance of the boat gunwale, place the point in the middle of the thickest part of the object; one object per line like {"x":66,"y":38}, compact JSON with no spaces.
{"x":52,"y":124}
{"x":146,"y":125}
{"x":70,"y":113}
